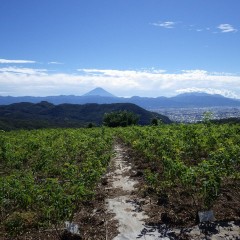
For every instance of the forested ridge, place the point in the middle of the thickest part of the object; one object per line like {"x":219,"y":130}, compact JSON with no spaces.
{"x":46,"y":115}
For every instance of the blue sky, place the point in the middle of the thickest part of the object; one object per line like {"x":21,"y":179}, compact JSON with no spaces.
{"x":129,"y":47}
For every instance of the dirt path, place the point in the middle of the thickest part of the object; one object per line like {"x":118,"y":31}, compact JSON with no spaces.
{"x":123,"y":200}
{"x":128,"y":209}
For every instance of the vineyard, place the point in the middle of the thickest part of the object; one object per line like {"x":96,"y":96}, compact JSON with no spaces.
{"x":190,"y":168}
{"x":46,"y":175}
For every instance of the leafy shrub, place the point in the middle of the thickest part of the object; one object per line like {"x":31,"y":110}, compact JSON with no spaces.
{"x":120,"y":119}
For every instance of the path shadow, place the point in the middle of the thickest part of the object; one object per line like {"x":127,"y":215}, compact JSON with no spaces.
{"x":208,"y":228}
{"x":158,"y":231}
{"x":211,"y":228}
{"x":165,"y":231}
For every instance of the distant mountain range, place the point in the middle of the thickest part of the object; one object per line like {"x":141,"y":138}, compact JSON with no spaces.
{"x":44,"y":115}
{"x":101,"y":96}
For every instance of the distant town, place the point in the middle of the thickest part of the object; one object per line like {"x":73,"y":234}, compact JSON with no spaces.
{"x":192,"y":115}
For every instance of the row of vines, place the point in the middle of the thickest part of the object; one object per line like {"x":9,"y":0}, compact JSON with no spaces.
{"x":45,"y":175}
{"x":196,"y":157}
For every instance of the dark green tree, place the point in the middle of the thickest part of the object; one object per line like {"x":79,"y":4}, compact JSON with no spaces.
{"x":90,"y":125}
{"x":120,"y":119}
{"x":154,"y":122}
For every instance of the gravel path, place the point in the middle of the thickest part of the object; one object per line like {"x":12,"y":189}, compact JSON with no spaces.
{"x":126,"y":207}
{"x":122,"y":201}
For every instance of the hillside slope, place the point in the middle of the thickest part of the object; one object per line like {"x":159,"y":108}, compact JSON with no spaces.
{"x":44,"y":115}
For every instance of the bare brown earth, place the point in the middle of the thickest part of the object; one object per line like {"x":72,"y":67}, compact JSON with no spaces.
{"x":172,"y":215}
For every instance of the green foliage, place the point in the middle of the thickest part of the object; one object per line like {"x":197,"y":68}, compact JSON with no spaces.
{"x":155,"y":122}
{"x":90,"y":125}
{"x":151,"y":177}
{"x":208,"y":116}
{"x":196,"y":157}
{"x":46,"y":174}
{"x":120,"y":119}
{"x":19,"y":222}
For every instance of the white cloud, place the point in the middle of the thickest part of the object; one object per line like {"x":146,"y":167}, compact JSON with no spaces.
{"x":225,"y":28}
{"x":16,"y":70}
{"x":39,"y":82}
{"x":160,"y":82}
{"x":16,"y":61}
{"x":57,"y":63}
{"x":223,"y":92}
{"x":167,"y":24}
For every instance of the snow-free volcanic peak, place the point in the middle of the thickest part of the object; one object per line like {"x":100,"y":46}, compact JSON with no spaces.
{"x":99,"y":92}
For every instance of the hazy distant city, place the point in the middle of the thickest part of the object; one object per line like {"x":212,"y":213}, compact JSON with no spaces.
{"x":192,"y":115}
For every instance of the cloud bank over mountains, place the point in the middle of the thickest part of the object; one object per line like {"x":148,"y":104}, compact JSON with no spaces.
{"x":22,"y":81}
